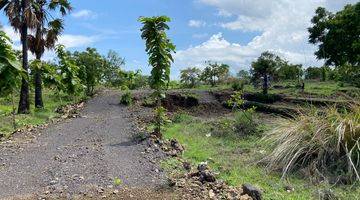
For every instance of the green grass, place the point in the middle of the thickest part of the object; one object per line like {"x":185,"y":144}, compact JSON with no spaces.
{"x":36,"y":116}
{"x":235,"y":160}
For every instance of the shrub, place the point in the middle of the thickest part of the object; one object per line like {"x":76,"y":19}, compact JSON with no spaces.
{"x":325,"y":142}
{"x":238,"y":85}
{"x":126,"y":98}
{"x":245,"y":123}
{"x":181,"y":118}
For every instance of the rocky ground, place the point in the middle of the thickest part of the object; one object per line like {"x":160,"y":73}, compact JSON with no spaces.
{"x":80,"y":157}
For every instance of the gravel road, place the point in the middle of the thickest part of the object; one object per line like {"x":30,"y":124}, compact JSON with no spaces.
{"x":73,"y":156}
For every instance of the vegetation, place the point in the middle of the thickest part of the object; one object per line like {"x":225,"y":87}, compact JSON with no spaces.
{"x":324,"y":142}
{"x":190,"y":77}
{"x":126,"y":98}
{"x":159,"y":49}
{"x":215,"y":73}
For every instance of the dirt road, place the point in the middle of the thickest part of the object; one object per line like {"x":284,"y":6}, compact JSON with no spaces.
{"x":77,"y":155}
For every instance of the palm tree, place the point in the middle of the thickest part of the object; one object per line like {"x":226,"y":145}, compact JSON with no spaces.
{"x":45,"y":36}
{"x":22,"y":18}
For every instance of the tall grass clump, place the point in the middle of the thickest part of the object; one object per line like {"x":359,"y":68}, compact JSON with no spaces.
{"x":325,"y":142}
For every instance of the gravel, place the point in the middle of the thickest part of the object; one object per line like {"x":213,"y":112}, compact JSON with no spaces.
{"x":74,"y":155}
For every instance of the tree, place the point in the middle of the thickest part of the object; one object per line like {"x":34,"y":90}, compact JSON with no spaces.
{"x":337,"y":35}
{"x":45,"y":35}
{"x":159,"y":49}
{"x":112,"y":68}
{"x":68,"y":71}
{"x":91,"y":66}
{"x":243,"y":74}
{"x":265,"y":67}
{"x":215,"y":73}
{"x":190,"y":76}
{"x":288,"y":71}
{"x":10,"y":71}
{"x":21,"y":15}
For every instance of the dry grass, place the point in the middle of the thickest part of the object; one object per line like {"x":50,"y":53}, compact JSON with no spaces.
{"x":325,"y":142}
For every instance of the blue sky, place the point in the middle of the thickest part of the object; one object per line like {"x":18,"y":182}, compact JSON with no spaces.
{"x":229,"y":31}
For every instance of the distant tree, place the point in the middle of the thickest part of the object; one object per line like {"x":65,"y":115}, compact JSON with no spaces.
{"x":112,"y":68}
{"x":91,"y":65}
{"x":190,"y":76}
{"x":244,"y":76}
{"x":159,"y":48}
{"x":265,"y":67}
{"x":46,"y":33}
{"x":337,"y":35}
{"x":288,"y":71}
{"x":215,"y":73}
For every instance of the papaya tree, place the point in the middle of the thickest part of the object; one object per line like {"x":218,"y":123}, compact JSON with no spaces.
{"x":159,"y":49}
{"x":46,"y":33}
{"x":10,"y":71}
{"x":21,"y":15}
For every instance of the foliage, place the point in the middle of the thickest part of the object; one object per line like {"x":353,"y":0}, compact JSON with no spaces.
{"x":236,"y":100}
{"x":91,"y":65}
{"x":337,"y":35}
{"x":112,"y":68}
{"x":10,"y":68}
{"x":244,"y":75}
{"x":245,"y":123}
{"x":265,"y":67}
{"x":159,"y":49}
{"x":161,"y":119}
{"x":238,"y":85}
{"x":215,"y":73}
{"x":325,"y":142}
{"x":288,"y":71}
{"x":126,"y":98}
{"x":190,"y":76}
{"x":68,"y":70}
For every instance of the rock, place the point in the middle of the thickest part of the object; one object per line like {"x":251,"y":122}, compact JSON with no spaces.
{"x":211,"y":194}
{"x":115,"y":191}
{"x":187,"y":166}
{"x":252,"y":191}
{"x":207,"y":176}
{"x":288,"y":188}
{"x":176,"y":145}
{"x":203,"y":166}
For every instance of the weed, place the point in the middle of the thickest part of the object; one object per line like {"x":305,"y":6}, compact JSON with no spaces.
{"x":126,"y":98}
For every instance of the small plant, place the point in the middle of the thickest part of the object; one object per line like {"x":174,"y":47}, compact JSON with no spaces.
{"x":245,"y":123}
{"x":181,"y":117}
{"x":235,"y":101}
{"x":117,"y":181}
{"x":325,"y":142}
{"x":161,"y":120}
{"x":126,"y":98}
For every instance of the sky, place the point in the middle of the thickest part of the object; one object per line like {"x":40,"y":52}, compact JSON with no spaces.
{"x":234,"y":32}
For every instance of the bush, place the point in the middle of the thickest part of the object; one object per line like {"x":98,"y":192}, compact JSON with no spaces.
{"x":182,"y":118}
{"x":245,"y":123}
{"x":126,"y":98}
{"x":325,"y":142}
{"x":238,"y":85}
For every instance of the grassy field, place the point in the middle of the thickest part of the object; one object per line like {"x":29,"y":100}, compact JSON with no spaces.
{"x":314,"y":88}
{"x":236,"y":158}
{"x":37,"y":116}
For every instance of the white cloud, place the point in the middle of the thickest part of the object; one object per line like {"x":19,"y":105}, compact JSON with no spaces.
{"x":282,"y":25}
{"x":71,"y":41}
{"x":196,"y":23}
{"x":84,"y":14}
{"x":200,"y":35}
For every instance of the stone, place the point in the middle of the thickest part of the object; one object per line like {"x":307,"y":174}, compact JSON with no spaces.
{"x":206,"y":176}
{"x":252,"y":191}
{"x":203,"y":166}
{"x":187,"y":166}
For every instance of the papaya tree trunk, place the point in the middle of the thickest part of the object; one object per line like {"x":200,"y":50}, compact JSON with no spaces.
{"x":24,"y":104}
{"x":38,"y":87}
{"x":13,"y":110}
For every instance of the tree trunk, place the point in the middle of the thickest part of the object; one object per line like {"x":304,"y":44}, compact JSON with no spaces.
{"x":38,"y":86}
{"x":13,"y":110}
{"x":24,"y":104}
{"x":265,"y":85}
